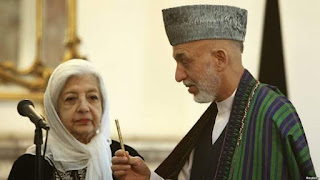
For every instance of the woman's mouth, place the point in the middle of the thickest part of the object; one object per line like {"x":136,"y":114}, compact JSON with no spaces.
{"x":83,"y":121}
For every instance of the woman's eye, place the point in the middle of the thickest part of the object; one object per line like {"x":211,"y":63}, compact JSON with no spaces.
{"x":68,"y":99}
{"x":94,"y":97}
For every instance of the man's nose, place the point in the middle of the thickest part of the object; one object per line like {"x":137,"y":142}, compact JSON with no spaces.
{"x":180,"y":73}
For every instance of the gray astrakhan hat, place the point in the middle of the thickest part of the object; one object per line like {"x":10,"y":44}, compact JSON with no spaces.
{"x":196,"y":22}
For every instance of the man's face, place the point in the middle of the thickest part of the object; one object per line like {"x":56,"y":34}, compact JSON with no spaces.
{"x":195,"y":67}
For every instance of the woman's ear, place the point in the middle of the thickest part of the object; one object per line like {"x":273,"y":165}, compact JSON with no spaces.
{"x":221,"y":58}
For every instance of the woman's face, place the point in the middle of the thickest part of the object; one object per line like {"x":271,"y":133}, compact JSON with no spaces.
{"x":80,"y":106}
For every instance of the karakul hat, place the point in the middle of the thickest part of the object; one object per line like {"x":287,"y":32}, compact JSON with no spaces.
{"x":196,"y":22}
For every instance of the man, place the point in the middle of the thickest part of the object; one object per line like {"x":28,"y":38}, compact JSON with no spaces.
{"x":250,"y":131}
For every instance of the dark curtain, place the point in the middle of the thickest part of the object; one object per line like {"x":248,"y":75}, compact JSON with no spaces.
{"x":272,"y":67}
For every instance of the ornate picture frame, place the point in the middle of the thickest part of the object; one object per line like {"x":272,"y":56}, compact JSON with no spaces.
{"x":56,"y":41}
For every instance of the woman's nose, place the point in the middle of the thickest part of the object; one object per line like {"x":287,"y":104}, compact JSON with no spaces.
{"x":83,"y":105}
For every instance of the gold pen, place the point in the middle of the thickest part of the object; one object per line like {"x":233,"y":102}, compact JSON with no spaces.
{"x":120,"y":137}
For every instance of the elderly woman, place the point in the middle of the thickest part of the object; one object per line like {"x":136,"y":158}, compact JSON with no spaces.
{"x":79,"y":144}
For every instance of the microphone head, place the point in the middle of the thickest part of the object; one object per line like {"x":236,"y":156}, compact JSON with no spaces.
{"x":22,"y":106}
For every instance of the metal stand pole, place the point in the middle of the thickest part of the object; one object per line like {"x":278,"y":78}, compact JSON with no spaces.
{"x":38,"y":142}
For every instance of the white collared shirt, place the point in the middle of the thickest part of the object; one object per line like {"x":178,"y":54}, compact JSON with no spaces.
{"x":222,"y":118}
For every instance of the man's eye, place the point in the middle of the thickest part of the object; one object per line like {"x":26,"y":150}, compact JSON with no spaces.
{"x":184,"y":62}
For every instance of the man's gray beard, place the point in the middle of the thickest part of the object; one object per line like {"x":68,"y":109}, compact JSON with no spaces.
{"x":208,"y":86}
{"x":204,"y":97}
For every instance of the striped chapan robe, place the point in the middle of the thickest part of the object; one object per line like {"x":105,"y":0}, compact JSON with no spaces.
{"x":264,"y":139}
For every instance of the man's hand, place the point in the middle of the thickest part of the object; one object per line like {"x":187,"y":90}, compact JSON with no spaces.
{"x":126,"y":167}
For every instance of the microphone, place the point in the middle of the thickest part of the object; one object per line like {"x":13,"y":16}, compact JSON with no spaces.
{"x":26,"y":108}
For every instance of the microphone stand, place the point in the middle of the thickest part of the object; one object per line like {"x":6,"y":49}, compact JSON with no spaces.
{"x":38,"y":142}
{"x":26,"y":108}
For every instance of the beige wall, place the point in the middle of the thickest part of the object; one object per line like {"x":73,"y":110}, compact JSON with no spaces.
{"x":127,"y":42}
{"x":131,"y":48}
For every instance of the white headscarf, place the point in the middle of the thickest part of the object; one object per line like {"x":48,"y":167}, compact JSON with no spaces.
{"x":64,"y":150}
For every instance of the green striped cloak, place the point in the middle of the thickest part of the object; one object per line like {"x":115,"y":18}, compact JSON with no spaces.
{"x":272,"y":144}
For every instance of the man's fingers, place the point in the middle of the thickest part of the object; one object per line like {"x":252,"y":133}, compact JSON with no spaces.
{"x":121,"y":167}
{"x":135,"y":160}
{"x":120,"y":170}
{"x":124,"y":160}
{"x":118,"y":174}
{"x":121,"y":153}
{"x":119,"y":160}
{"x":138,"y":165}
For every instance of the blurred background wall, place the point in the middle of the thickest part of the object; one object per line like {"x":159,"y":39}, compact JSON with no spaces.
{"x":126,"y":40}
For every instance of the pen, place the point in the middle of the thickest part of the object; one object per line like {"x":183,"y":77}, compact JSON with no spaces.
{"x":120,"y":136}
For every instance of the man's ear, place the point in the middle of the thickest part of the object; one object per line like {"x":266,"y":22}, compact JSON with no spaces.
{"x":221,"y":58}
